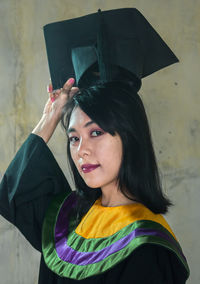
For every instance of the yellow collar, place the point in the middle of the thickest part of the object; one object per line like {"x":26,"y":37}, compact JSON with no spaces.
{"x":101,"y":221}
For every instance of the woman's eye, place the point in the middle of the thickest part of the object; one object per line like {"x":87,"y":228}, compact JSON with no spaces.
{"x":73,"y":139}
{"x":96,"y":133}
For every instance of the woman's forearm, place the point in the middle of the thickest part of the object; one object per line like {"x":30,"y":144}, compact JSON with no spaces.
{"x":46,"y":127}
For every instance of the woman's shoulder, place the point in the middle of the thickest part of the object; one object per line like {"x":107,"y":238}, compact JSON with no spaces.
{"x":153,"y":264}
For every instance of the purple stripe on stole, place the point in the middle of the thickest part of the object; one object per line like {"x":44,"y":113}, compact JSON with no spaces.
{"x":70,"y":255}
{"x":62,"y":222}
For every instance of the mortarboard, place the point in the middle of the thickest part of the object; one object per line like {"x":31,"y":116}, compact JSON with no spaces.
{"x":104,"y":40}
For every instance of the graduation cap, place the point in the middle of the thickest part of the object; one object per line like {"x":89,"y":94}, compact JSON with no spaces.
{"x":103,"y":43}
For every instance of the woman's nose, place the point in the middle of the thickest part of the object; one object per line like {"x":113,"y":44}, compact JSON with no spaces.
{"x":83,"y":148}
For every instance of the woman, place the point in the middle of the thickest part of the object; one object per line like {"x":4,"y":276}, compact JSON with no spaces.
{"x":110,"y":229}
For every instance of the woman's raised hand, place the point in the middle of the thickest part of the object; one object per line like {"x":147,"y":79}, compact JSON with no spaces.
{"x":58,"y":98}
{"x":53,"y":109}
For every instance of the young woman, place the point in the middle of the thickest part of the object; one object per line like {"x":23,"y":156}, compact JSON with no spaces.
{"x":110,"y":230}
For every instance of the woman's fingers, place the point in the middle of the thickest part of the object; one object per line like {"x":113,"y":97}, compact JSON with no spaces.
{"x":49,"y":88}
{"x":68,"y":86}
{"x":50,"y":92}
{"x":73,"y":91}
{"x":67,"y":90}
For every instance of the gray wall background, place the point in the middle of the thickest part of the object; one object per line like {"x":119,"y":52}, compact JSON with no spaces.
{"x":171,"y":97}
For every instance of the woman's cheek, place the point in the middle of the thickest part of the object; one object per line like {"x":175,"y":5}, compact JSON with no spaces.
{"x":73,"y":155}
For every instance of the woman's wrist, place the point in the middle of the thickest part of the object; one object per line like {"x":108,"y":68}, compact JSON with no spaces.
{"x":46,"y":127}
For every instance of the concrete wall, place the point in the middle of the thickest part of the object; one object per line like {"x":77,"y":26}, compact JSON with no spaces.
{"x":171,"y":97}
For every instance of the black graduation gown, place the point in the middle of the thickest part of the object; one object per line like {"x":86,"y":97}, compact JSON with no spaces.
{"x":31,"y":181}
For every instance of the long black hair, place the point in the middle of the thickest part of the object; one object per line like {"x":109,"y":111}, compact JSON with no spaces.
{"x":117,"y":108}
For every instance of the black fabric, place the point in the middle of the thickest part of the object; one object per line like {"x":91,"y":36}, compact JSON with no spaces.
{"x":29,"y":184}
{"x":149,"y":264}
{"x":119,"y":37}
{"x":32,"y":179}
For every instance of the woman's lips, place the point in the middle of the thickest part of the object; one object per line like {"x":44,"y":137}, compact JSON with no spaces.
{"x":88,"y":167}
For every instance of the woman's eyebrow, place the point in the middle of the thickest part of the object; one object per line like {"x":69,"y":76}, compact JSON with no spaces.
{"x":71,"y":129}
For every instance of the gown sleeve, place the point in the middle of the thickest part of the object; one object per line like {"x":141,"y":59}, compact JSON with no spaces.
{"x":32,"y":179}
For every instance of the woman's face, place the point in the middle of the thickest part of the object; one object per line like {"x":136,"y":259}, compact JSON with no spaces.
{"x":96,"y":153}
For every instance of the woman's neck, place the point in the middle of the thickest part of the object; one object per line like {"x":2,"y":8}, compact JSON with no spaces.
{"x":112,"y":197}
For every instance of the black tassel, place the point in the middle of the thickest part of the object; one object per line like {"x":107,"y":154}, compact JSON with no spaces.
{"x":103,"y":51}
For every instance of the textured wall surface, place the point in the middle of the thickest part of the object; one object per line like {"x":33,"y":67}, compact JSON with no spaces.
{"x":171,"y":97}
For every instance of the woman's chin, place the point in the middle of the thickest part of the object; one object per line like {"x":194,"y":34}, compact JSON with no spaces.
{"x":93,"y":185}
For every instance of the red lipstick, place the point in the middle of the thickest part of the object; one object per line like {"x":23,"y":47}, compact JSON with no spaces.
{"x":86,"y":168}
